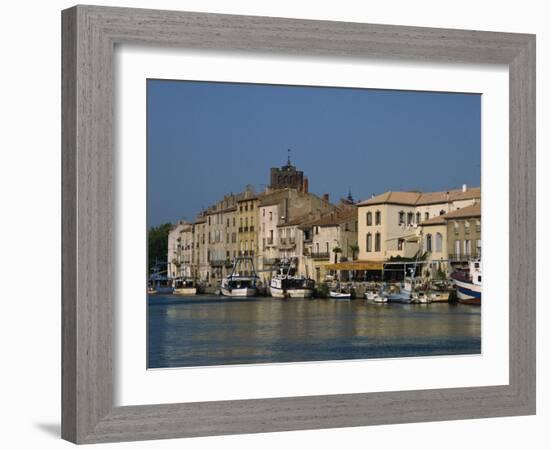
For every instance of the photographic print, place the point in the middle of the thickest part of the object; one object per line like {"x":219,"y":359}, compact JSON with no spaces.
{"x":298,"y":223}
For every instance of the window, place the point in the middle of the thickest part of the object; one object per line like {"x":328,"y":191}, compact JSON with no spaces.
{"x":468,"y":247}
{"x":401,"y":218}
{"x":263,"y":244}
{"x":479,"y":278}
{"x":426,"y":215}
{"x":316,"y":230}
{"x":478,"y":225}
{"x":327,"y":248}
{"x":457,"y":248}
{"x":400,"y":244}
{"x":418,"y":215}
{"x":438,"y":242}
{"x":428,"y":242}
{"x":441,"y":212}
{"x":263,"y":212}
{"x":377,"y":242}
{"x":233,"y":221}
{"x":369,"y":219}
{"x":317,"y":247}
{"x":377,"y":218}
{"x":369,"y":242}
{"x":270,"y":216}
{"x":410,"y":218}
{"x":466,"y":227}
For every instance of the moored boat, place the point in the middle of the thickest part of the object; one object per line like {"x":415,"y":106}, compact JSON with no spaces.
{"x":287,"y":285}
{"x":184,"y":286}
{"x":468,"y":283}
{"x":240,"y":285}
{"x":420,"y":297}
{"x":338,"y":295}
{"x":159,"y":282}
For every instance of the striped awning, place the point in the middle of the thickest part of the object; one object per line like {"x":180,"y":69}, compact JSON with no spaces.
{"x":356,"y":265}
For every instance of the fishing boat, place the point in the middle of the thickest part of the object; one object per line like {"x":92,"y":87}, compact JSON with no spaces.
{"x":159,"y":282}
{"x":184,"y":286}
{"x":241,"y":285}
{"x":468,"y":283}
{"x":287,"y":285}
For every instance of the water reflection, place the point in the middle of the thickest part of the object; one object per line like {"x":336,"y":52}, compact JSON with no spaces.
{"x":202,"y":331}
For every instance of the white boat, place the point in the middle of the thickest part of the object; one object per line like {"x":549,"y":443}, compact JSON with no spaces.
{"x":420,"y":297}
{"x":286,"y":285}
{"x":380,"y":299}
{"x":237,"y":285}
{"x":340,"y":295}
{"x":468,"y":283}
{"x":184,"y":286}
{"x":439,"y":296}
{"x":371,"y":295}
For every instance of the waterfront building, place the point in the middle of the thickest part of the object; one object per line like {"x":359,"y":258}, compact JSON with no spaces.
{"x":200,"y":268}
{"x":246,"y":218}
{"x":330,"y":239}
{"x":464,"y":235}
{"x":268,"y":219}
{"x":280,"y":213}
{"x":388,"y":223}
{"x":175,"y":256}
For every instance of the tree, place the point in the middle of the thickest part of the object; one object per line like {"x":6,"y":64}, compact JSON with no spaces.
{"x":336,"y":250}
{"x":157,"y":244}
{"x":354,"y":249}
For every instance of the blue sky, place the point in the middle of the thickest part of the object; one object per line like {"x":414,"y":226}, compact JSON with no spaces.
{"x":206,"y":139}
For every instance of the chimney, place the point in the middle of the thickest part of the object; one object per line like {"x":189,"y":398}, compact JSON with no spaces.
{"x":326,"y":197}
{"x":305,"y":185}
{"x":464,"y":188}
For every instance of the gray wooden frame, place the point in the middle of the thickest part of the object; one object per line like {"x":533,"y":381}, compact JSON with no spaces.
{"x":89,"y":36}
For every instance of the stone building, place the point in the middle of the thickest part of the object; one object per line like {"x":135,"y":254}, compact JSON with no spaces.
{"x":280,"y":213}
{"x":328,"y":240}
{"x":175,"y":257}
{"x":247,"y":222}
{"x":388,"y":223}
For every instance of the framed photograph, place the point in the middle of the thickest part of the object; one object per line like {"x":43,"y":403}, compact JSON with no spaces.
{"x":278,"y":224}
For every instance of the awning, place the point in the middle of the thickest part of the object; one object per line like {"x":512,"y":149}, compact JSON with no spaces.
{"x":356,"y":265}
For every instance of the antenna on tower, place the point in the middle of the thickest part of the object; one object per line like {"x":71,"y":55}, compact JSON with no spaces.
{"x":288,"y":158}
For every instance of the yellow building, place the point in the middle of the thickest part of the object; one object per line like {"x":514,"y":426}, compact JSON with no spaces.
{"x":246,"y":217}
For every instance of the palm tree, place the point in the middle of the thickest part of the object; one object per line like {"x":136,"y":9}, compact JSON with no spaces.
{"x":336,"y":250}
{"x":354,"y":249}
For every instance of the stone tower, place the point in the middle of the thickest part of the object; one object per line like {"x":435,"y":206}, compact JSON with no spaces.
{"x":287,"y":176}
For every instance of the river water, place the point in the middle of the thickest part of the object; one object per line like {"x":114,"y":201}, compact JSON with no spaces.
{"x":212,"y":330}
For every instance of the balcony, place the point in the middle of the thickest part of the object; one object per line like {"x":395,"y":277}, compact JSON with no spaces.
{"x":464,"y":257}
{"x":217,"y":262}
{"x":271,"y":261}
{"x":320,"y":255}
